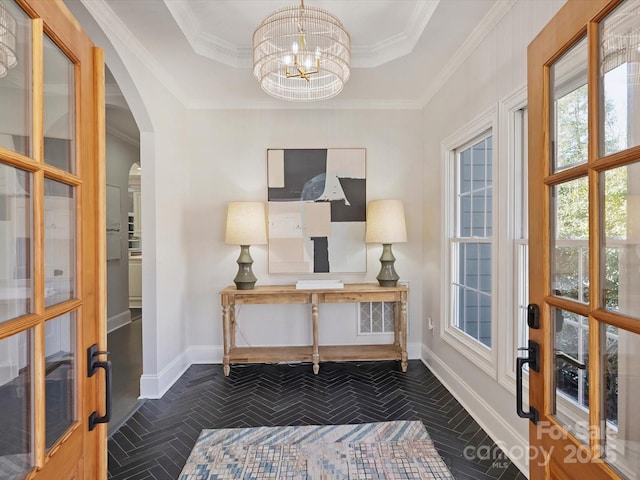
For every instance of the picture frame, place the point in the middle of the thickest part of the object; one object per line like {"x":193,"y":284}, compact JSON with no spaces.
{"x":316,"y":207}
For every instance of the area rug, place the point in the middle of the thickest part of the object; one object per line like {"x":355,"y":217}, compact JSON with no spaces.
{"x":384,"y":451}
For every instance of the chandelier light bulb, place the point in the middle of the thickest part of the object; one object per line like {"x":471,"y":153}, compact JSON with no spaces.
{"x":295,"y":47}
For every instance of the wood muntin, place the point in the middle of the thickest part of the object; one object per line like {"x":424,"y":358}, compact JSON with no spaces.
{"x":288,"y":294}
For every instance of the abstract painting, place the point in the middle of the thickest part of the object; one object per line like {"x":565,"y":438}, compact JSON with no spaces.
{"x":317,"y":210}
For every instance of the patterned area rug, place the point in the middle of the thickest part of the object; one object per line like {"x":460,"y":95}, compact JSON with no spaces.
{"x":384,"y":451}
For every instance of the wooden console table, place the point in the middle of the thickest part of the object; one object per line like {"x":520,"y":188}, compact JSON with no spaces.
{"x":351,"y":293}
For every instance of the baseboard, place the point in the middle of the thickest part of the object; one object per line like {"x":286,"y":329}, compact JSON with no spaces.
{"x":414,"y":350}
{"x":119,"y":320}
{"x":512,"y":443}
{"x":155,"y":386}
{"x":199,"y":354}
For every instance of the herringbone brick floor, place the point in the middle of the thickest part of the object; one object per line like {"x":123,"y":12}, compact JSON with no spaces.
{"x":156,"y":441}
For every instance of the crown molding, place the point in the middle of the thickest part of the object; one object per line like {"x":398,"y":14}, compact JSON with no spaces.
{"x":113,"y":96}
{"x":241,"y":56}
{"x":123,"y":136}
{"x":204,"y":43}
{"x":110,"y":22}
{"x":488,"y":23}
{"x":398,"y":45}
{"x":130,"y":48}
{"x":215,"y":48}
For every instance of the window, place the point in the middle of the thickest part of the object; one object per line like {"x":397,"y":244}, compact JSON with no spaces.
{"x":471,"y":244}
{"x":486,"y":243}
{"x":512,"y":264}
{"x":470,"y":263}
{"x":521,"y":236}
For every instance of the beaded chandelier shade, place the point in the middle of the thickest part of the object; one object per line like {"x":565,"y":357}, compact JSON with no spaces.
{"x":620,"y":41}
{"x":7,"y":41}
{"x":301,"y":54}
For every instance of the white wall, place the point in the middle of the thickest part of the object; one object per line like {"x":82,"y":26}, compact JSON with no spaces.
{"x":227,"y":159}
{"x":490,"y":75}
{"x":165,"y":155}
{"x":195,"y":162}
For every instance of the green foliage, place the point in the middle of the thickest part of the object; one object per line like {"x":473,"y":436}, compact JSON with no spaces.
{"x":572,"y":223}
{"x":572,"y":198}
{"x":572,"y":139}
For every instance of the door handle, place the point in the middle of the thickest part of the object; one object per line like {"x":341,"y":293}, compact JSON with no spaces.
{"x":533,"y":360}
{"x":93,"y":364}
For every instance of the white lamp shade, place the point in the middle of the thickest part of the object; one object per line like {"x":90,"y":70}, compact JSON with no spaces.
{"x":246,"y":224}
{"x":385,"y":222}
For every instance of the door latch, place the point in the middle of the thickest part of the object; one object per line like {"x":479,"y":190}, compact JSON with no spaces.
{"x":533,"y":360}
{"x":93,"y":364}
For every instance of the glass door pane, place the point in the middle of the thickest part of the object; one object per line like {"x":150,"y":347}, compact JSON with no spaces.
{"x":16,"y":405}
{"x":60,"y":368}
{"x":622,"y":390}
{"x":620,"y":78}
{"x":569,"y":108}
{"x":570,"y":242}
{"x":16,"y":268}
{"x":571,"y":360}
{"x":15,"y":78}
{"x":59,"y":108}
{"x":59,"y":242}
{"x":621,"y":271}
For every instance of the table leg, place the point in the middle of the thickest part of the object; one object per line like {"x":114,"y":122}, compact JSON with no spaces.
{"x":403,"y":332}
{"x":232,"y":313}
{"x":226,"y":334}
{"x":314,"y":318}
{"x":396,"y":323}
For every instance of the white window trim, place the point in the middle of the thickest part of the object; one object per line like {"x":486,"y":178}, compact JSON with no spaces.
{"x":475,"y":351}
{"x":509,"y":176}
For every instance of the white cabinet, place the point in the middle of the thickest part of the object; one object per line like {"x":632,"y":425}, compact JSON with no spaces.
{"x":134,"y":241}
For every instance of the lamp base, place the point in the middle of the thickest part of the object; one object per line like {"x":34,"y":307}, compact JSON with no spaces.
{"x":387,"y":276}
{"x":245,"y":279}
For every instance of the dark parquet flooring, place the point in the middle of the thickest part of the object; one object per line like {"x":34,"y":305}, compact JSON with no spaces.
{"x":156,"y":441}
{"x":125,"y":345}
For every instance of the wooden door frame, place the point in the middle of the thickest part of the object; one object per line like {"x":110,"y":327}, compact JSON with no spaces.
{"x":53,"y":18}
{"x":575,"y":20}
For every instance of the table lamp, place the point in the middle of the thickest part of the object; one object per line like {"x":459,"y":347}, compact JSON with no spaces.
{"x":386,"y":225}
{"x":246,"y":226}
